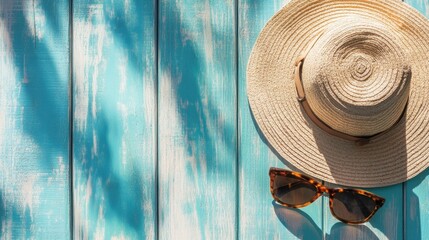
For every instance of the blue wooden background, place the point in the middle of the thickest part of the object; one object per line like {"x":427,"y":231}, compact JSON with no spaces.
{"x":129,"y":119}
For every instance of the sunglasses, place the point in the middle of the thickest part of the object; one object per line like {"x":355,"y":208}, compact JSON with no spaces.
{"x":292,"y":189}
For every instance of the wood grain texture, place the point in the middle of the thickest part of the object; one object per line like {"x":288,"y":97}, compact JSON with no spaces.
{"x":416,"y":190}
{"x":197,"y":119}
{"x":260,"y":216}
{"x":34,"y":162}
{"x":208,"y":188}
{"x":114,"y":137}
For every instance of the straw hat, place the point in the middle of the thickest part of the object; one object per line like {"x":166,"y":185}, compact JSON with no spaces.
{"x":340,"y":89}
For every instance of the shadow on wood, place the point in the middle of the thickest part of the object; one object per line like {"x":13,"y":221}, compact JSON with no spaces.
{"x":295,"y":220}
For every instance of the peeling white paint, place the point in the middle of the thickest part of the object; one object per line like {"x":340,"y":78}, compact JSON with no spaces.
{"x":25,"y":78}
{"x":59,"y":172}
{"x":81,"y":61}
{"x":6,"y":228}
{"x":94,"y":150}
{"x":123,"y":110}
{"x":87,"y":59}
{"x":8,"y":72}
{"x":94,"y":93}
{"x":100,"y":226}
{"x":148,"y":211}
{"x":86,"y":199}
{"x":77,"y":221}
{"x":179,"y":219}
{"x":207,"y":30}
{"x":120,"y":237}
{"x":100,"y":32}
{"x":35,"y":18}
{"x":149,"y":98}
{"x":127,"y":7}
{"x":124,"y":153}
{"x":30,"y":193}
{"x":123,"y":64}
{"x":82,"y":197}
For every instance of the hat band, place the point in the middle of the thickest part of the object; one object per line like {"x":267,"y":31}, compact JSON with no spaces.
{"x":359,"y":140}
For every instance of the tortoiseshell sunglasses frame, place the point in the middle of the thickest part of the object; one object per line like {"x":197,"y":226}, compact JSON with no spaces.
{"x":321,"y":189}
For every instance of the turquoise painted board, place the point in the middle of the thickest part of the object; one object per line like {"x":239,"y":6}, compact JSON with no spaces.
{"x":197,"y":120}
{"x":416,"y":191}
{"x":416,"y":208}
{"x":164,"y":144}
{"x":34,"y":122}
{"x":114,"y":109}
{"x":260,"y":216}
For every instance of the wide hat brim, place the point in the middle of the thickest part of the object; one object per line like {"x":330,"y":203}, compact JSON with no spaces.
{"x":390,"y":158}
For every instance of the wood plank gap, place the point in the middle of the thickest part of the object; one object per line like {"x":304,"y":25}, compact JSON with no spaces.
{"x":71,"y":116}
{"x":156,"y":15}
{"x":404,"y":211}
{"x":237,"y":118}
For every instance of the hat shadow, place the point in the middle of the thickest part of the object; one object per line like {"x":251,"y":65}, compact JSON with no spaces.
{"x":331,"y":158}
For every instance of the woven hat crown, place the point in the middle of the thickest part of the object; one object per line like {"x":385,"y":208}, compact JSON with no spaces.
{"x":339,"y":89}
{"x":356,"y":77}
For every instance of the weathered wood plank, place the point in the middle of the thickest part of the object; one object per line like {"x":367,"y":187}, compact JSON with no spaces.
{"x":114,"y":124}
{"x":416,"y":207}
{"x":197,"y":120}
{"x":34,"y":125}
{"x":260,"y":217}
{"x":416,"y":190}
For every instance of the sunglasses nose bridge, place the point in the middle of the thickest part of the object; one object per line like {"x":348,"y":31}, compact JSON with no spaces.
{"x":324,"y":189}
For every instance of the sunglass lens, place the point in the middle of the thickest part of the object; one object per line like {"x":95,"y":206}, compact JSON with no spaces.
{"x":293,"y":190}
{"x":352,"y":206}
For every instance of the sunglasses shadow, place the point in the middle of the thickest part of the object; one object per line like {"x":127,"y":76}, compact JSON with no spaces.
{"x":297,"y":222}
{"x":302,"y":226}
